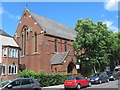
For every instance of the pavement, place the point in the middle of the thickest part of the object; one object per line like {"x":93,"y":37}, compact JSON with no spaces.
{"x":56,"y":86}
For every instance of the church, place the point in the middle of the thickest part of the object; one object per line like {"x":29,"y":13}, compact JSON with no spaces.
{"x":46,"y":45}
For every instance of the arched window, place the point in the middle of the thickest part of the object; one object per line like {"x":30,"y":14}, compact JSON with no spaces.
{"x":55,"y":45}
{"x":35,"y":42}
{"x":24,"y":42}
{"x":24,"y":38}
{"x":65,"y":46}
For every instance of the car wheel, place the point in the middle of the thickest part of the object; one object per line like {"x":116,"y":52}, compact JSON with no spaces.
{"x":114,"y":79}
{"x":78,"y":87}
{"x":107,"y":80}
{"x":89,"y":84}
{"x":100,"y":82}
{"x":37,"y":89}
{"x":66,"y":88}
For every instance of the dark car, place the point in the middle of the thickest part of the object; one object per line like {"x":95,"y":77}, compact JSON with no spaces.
{"x":76,"y":81}
{"x":99,"y":78}
{"x":20,"y":84}
{"x":113,"y":75}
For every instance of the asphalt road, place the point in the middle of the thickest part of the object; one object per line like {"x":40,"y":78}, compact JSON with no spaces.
{"x":112,"y":85}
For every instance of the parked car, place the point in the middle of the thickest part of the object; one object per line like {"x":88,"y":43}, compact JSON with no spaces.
{"x":99,"y":78}
{"x":76,"y":81}
{"x":117,"y":69}
{"x":113,"y":75}
{"x":20,"y":84}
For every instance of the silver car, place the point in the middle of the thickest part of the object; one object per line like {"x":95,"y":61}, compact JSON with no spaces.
{"x":20,"y":84}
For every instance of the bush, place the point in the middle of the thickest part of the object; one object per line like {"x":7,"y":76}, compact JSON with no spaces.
{"x":51,"y":79}
{"x":45,"y":79}
{"x":27,"y":74}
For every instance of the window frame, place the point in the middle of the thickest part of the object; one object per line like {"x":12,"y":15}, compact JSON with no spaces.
{"x":2,"y":70}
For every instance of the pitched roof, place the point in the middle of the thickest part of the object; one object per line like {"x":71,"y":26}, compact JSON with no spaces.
{"x":54,"y":28}
{"x":8,"y":41}
{"x":4,"y":33}
{"x":58,"y":58}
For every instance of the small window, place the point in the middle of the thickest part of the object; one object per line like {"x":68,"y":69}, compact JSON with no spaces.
{"x":55,"y":45}
{"x":65,"y":46}
{"x":25,"y":15}
{"x":3,"y":70}
{"x":5,"y":52}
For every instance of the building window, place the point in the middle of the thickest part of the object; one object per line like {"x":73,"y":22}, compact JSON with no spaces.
{"x":65,"y":46}
{"x":13,"y":53}
{"x":22,"y":44}
{"x":25,"y":15}
{"x":3,"y":70}
{"x":24,"y":48}
{"x":5,"y":52}
{"x":35,"y":42}
{"x":55,"y":45}
{"x":12,"y":69}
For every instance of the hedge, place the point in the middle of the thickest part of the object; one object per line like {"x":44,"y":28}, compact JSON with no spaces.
{"x":45,"y":79}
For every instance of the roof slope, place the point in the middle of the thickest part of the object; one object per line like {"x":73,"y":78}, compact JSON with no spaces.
{"x":4,"y":33}
{"x":8,"y":41}
{"x":54,"y":28}
{"x":58,"y":58}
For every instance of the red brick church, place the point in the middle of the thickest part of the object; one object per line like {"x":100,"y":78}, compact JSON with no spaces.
{"x":45,"y":45}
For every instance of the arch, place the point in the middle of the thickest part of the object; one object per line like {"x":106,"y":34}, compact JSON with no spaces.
{"x":71,"y":68}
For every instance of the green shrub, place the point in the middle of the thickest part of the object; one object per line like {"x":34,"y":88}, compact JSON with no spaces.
{"x":27,"y":74}
{"x":45,"y":79}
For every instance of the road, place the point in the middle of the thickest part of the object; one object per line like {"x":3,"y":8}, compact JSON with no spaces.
{"x":112,"y":85}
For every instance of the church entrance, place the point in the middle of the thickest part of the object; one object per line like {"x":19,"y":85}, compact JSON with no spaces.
{"x":71,"y":68}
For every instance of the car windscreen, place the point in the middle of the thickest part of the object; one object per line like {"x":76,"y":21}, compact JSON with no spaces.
{"x":71,"y":78}
{"x":2,"y":84}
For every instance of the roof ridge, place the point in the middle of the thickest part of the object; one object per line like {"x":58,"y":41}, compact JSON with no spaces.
{"x":3,"y":33}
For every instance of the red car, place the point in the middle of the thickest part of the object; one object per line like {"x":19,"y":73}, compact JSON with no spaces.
{"x":76,"y":81}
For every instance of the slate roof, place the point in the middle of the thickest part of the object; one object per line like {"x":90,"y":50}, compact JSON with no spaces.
{"x":7,"y":40}
{"x":58,"y":58}
{"x":54,"y":28}
{"x":4,"y":33}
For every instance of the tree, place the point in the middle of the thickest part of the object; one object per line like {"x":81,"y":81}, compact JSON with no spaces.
{"x":93,"y":38}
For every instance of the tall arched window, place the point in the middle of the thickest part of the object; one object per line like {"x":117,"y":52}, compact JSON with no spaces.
{"x":24,"y":38}
{"x":65,"y":46}
{"x":24,"y":42}
{"x":35,"y":42}
{"x":55,"y":45}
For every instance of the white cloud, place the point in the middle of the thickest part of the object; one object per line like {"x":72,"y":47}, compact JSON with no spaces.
{"x":111,"y":5}
{"x":3,"y":11}
{"x":111,"y":26}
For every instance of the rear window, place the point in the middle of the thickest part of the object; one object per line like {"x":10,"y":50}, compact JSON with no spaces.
{"x":71,"y":78}
{"x":117,"y":69}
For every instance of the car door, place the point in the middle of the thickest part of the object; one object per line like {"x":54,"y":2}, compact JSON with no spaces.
{"x":15,"y":85}
{"x":26,"y":84}
{"x":82,"y":80}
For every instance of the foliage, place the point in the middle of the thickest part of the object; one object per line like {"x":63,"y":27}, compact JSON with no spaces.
{"x":45,"y":79}
{"x":27,"y":74}
{"x":97,"y":42}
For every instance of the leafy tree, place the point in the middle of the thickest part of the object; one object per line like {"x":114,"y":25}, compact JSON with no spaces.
{"x":95,"y":40}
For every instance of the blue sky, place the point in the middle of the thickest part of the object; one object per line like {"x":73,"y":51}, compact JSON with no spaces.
{"x":63,"y":12}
